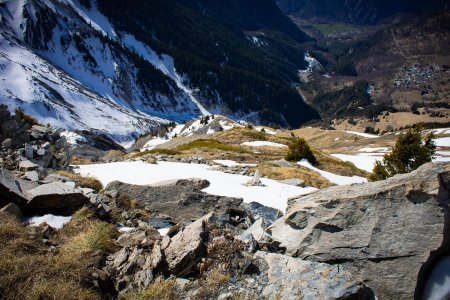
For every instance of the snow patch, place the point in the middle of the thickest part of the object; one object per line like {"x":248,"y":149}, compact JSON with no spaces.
{"x":232,"y":163}
{"x":273,"y":194}
{"x":263,"y":144}
{"x":56,"y":222}
{"x":73,"y":138}
{"x":367,"y":135}
{"x":333,"y":178}
{"x":442,"y":142}
{"x":363,"y":161}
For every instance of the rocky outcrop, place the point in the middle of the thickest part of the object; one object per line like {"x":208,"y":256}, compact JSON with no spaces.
{"x":292,"y":278}
{"x":179,"y":199}
{"x":387,"y":234}
{"x":55,"y":197}
{"x":12,"y":129}
{"x":184,"y":250}
{"x":12,"y":189}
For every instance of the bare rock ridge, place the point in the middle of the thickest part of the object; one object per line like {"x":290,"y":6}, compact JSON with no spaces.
{"x":387,"y":234}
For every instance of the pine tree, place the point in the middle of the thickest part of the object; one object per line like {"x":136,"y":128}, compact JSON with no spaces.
{"x":298,"y":150}
{"x":410,"y":152}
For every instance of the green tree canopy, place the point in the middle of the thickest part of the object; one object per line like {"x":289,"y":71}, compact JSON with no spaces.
{"x":298,"y":150}
{"x":410,"y":152}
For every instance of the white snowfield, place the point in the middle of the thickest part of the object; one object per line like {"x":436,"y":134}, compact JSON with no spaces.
{"x":363,"y":161}
{"x":232,"y":163}
{"x":263,"y":144}
{"x":372,"y":150}
{"x":333,"y":178}
{"x":443,"y":142}
{"x":273,"y":194}
{"x":56,"y":222}
{"x":371,"y":136}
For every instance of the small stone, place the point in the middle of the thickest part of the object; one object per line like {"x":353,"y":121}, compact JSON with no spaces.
{"x":29,"y":151}
{"x":26,"y":165}
{"x":46,"y":145}
{"x":32,"y":176}
{"x":41,"y":152}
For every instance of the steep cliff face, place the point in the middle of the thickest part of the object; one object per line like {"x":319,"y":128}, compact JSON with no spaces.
{"x":362,"y":12}
{"x":388,"y":234}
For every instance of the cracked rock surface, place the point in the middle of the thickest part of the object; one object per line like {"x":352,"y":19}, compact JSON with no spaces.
{"x":385,"y":233}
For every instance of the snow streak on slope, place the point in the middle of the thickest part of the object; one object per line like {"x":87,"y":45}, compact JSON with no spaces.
{"x":164,"y":63}
{"x":333,"y":178}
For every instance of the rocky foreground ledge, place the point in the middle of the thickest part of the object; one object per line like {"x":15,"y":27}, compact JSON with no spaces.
{"x":388,"y":235}
{"x":379,"y":240}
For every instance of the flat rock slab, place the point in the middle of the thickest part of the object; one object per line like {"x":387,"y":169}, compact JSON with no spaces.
{"x":388,"y":232}
{"x":181,"y":200}
{"x":12,"y":189}
{"x":293,"y":278}
{"x":27,"y":165}
{"x":55,"y":196}
{"x":184,"y":251}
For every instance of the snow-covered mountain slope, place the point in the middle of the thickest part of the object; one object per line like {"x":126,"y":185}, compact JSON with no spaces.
{"x":66,"y":65}
{"x":123,"y":68}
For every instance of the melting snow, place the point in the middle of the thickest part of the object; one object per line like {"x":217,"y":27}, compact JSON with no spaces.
{"x":73,"y":138}
{"x":263,"y":144}
{"x":336,"y":179}
{"x":443,"y":142}
{"x":150,"y":145}
{"x":232,"y":163}
{"x":56,"y":222}
{"x":164,"y":231}
{"x":372,"y":136}
{"x":273,"y":194}
{"x":313,"y":64}
{"x":267,"y":130}
{"x":371,"y":150}
{"x":363,"y":161}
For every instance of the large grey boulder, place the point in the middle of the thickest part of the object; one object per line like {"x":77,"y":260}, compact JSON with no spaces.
{"x":186,"y":248}
{"x":388,"y":233}
{"x":12,"y":189}
{"x":293,"y":278}
{"x":181,"y":200}
{"x":55,"y":196}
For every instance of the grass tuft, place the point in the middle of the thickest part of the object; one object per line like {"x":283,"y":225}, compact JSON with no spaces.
{"x":81,"y":181}
{"x":210,"y":144}
{"x":164,"y":290}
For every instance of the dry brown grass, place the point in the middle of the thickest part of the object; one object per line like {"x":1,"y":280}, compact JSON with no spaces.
{"x":28,"y":270}
{"x":212,"y":285}
{"x":337,"y":166}
{"x":310,"y":177}
{"x":80,"y":161}
{"x":81,"y":181}
{"x":237,"y":136}
{"x":164,"y":290}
